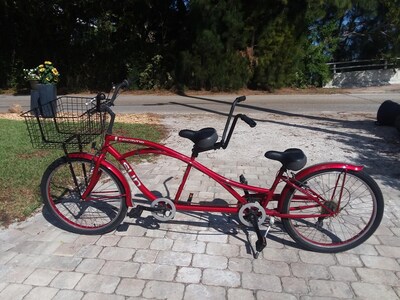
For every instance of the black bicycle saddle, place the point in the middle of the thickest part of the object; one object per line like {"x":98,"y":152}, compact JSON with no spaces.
{"x":292,"y":159}
{"x":203,"y":139}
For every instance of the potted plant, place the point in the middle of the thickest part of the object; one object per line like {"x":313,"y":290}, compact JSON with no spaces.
{"x":32,"y":76}
{"x":48,"y":74}
{"x":44,"y":90}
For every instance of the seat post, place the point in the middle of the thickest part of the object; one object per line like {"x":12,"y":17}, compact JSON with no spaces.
{"x":195,"y":153}
{"x":278,"y":178}
{"x":184,"y":179}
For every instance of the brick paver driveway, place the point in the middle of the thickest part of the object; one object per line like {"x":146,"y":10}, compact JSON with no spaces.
{"x":208,"y":256}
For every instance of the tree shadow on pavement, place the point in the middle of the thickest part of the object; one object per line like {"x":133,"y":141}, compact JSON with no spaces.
{"x":376,"y":147}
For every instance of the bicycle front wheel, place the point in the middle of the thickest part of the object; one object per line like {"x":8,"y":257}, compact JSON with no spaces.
{"x":64,"y":182}
{"x":354,"y":196}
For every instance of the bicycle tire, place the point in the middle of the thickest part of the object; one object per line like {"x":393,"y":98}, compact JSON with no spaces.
{"x":101,"y":212}
{"x":361,"y":211}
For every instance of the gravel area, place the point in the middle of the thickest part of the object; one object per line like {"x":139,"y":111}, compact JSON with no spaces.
{"x":325,"y":137}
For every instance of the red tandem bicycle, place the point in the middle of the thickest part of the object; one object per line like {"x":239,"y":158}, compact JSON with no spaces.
{"x":328,"y":207}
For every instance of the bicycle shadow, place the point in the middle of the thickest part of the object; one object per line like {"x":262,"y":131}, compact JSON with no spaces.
{"x":377,"y":147}
{"x":222,"y":224}
{"x":49,"y":217}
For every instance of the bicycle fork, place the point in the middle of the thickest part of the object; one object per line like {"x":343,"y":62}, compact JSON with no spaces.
{"x":90,"y":176}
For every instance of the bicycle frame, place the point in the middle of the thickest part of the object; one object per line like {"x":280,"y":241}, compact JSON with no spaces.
{"x":265,"y":194}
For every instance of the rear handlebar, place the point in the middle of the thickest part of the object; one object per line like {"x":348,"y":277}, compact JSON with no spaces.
{"x":240,"y":99}
{"x":248,"y":120}
{"x":229,"y":129}
{"x":228,"y":121}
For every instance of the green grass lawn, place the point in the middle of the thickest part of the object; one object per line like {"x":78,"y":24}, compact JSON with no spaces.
{"x":22,"y":166}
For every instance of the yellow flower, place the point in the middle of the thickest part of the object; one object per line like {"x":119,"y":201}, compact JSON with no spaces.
{"x":47,"y":62}
{"x":41,"y":70}
{"x":41,"y":66}
{"x":55,"y":72}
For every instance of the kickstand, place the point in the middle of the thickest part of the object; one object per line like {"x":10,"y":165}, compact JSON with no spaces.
{"x":262,"y":240}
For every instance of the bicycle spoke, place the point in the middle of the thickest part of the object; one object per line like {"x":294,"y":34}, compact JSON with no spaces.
{"x":349,"y":202}
{"x":102,"y":206}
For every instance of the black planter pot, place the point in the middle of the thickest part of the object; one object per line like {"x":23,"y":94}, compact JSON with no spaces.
{"x":34,"y":84}
{"x":42,"y":98}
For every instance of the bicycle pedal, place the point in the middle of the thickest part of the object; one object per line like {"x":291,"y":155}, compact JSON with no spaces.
{"x":135,"y":212}
{"x":261,"y":244}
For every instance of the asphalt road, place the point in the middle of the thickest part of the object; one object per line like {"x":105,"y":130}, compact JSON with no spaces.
{"x":358,"y":101}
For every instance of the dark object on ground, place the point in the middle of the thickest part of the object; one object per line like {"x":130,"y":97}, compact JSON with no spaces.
{"x":387,"y":113}
{"x":397,"y":123}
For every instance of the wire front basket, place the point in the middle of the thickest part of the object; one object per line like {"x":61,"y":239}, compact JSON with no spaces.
{"x":66,"y":123}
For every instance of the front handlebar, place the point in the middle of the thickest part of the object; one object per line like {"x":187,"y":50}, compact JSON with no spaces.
{"x":117,"y":88}
{"x":105,"y":106}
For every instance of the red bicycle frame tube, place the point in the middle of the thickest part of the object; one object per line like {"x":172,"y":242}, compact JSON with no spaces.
{"x":154,"y":148}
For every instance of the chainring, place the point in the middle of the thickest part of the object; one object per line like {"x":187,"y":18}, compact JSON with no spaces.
{"x":249,"y":208}
{"x":165,"y":209}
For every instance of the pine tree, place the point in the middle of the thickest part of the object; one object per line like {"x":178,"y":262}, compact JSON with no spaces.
{"x":215,"y":59}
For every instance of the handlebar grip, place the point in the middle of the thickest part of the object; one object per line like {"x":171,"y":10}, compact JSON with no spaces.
{"x":240,"y":99}
{"x":124,"y":84}
{"x":100,"y":97}
{"x":249,"y":121}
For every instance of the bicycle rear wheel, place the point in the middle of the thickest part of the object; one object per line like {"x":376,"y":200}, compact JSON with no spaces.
{"x":359,"y":214}
{"x":62,"y":185}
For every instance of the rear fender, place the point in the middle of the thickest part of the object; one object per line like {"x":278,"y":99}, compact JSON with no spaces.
{"x":112,"y":169}
{"x":315,"y":168}
{"x":324,"y":166}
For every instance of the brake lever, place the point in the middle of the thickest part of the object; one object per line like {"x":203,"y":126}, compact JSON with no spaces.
{"x":91,"y":101}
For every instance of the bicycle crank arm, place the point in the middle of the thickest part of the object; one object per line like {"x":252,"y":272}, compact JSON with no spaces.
{"x":261,"y":239}
{"x":260,"y":245}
